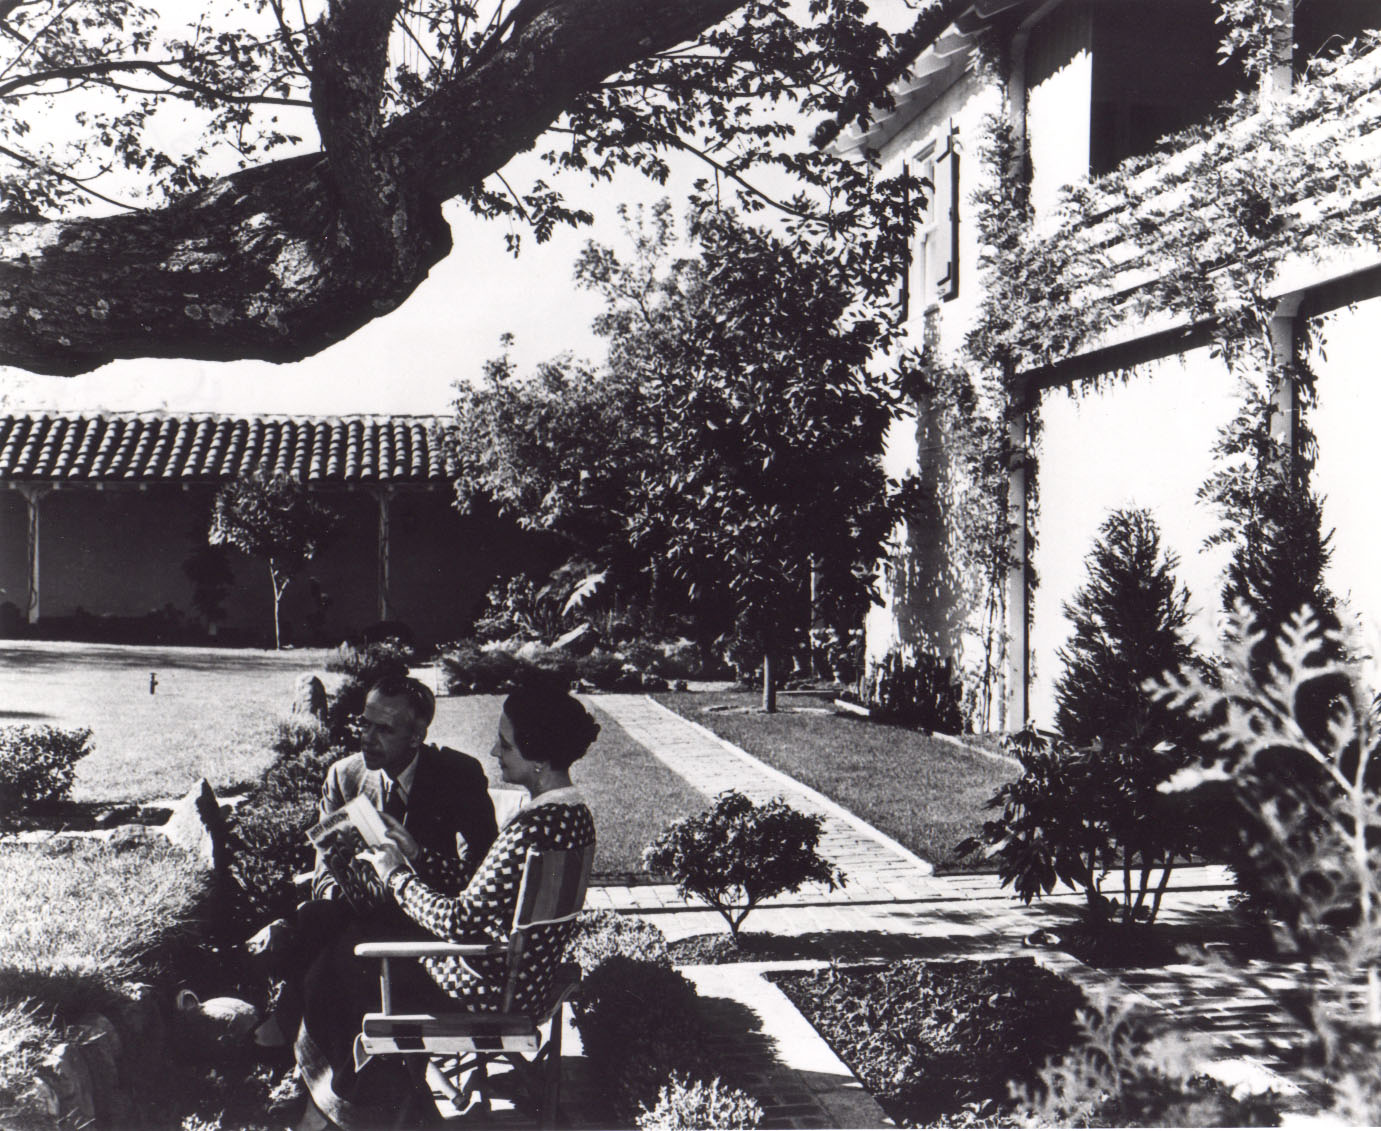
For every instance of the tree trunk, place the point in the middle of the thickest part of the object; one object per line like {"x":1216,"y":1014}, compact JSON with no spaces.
{"x":277,"y":597}
{"x":279,"y":261}
{"x":769,"y":684}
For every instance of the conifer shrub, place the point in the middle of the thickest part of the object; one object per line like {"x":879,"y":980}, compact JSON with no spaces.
{"x":467,"y":668}
{"x":37,"y":766}
{"x":738,"y":853}
{"x":1129,"y":623}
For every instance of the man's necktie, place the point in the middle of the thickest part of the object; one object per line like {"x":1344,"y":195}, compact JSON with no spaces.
{"x":395,"y":805}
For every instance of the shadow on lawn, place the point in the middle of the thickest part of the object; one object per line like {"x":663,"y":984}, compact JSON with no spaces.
{"x":26,"y":716}
{"x":107,"y":658}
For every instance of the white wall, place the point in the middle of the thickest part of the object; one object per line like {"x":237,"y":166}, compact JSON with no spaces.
{"x":1145,"y":443}
{"x":1345,"y":422}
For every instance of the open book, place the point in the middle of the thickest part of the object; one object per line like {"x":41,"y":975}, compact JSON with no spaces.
{"x":340,"y":837}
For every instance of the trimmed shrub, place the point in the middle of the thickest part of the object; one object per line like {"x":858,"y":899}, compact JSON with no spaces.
{"x":1078,"y":816}
{"x":372,"y":662}
{"x":639,"y":1023}
{"x":600,"y":935}
{"x":37,"y":765}
{"x":738,"y":853}
{"x":694,"y":1105}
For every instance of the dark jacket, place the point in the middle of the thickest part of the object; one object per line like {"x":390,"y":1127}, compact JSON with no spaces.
{"x":449,"y":797}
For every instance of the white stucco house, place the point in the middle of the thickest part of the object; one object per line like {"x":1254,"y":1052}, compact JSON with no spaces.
{"x":1129,"y":416}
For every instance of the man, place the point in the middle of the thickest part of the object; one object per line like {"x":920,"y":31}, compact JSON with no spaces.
{"x":436,"y":798}
{"x":437,"y":795}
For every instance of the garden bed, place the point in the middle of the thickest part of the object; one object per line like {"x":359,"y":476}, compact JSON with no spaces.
{"x":939,"y":1042}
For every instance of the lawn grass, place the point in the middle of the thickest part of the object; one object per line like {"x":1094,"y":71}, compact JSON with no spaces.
{"x":922,"y":791}
{"x":212,"y":715}
{"x":632,"y":795}
{"x":84,"y":908}
{"x":77,"y":919}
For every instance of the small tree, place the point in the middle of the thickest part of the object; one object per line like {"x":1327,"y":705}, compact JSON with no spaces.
{"x":276,"y":519}
{"x":1129,"y":621}
{"x":737,"y":854}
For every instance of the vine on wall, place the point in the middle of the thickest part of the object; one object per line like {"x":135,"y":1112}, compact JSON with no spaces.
{"x":1201,"y":227}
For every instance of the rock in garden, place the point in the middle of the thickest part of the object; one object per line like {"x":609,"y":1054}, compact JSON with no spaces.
{"x":69,"y":1094}
{"x":100,"y":1048}
{"x":216,"y":1023}
{"x":309,"y":697}
{"x":141,"y":1021}
{"x":197,"y":825}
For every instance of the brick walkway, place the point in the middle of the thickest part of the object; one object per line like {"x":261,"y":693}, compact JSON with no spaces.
{"x":894,"y":906}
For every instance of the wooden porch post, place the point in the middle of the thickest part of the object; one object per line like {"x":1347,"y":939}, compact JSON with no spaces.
{"x":32,"y":494}
{"x":1018,"y":630}
{"x":384,"y":495}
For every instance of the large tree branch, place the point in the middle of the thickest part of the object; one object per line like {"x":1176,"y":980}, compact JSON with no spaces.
{"x":267,"y":263}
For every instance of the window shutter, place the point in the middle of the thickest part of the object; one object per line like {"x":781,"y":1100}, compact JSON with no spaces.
{"x":944,"y":242}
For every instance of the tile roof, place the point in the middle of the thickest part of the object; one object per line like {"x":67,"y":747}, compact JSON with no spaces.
{"x":149,"y":447}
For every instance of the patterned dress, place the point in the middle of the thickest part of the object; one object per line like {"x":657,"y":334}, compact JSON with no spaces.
{"x":483,"y":912}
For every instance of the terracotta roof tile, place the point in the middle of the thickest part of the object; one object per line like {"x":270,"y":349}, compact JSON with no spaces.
{"x":142,"y":447}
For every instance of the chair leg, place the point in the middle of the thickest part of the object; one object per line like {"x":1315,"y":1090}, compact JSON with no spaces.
{"x":551,"y":1091}
{"x":420,"y":1110}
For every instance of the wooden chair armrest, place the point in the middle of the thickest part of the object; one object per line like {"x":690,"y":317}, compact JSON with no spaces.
{"x":425,"y":949}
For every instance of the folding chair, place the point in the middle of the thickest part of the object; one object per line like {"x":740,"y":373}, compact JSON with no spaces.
{"x":552,"y":892}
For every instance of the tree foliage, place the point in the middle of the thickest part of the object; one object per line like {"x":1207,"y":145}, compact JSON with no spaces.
{"x":274,"y":518}
{"x":730,"y":446}
{"x":229,"y":239}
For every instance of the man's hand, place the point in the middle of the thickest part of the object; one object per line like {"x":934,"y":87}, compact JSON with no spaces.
{"x":400,"y":836}
{"x":384,"y":859}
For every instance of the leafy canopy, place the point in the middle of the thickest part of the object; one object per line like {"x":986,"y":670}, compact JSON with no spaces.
{"x":729,"y":445}
{"x":736,"y":84}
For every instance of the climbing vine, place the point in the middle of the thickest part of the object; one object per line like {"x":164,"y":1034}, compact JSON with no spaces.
{"x":1195,"y":232}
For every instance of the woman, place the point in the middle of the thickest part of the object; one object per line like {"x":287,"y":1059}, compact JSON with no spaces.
{"x":542,"y":732}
